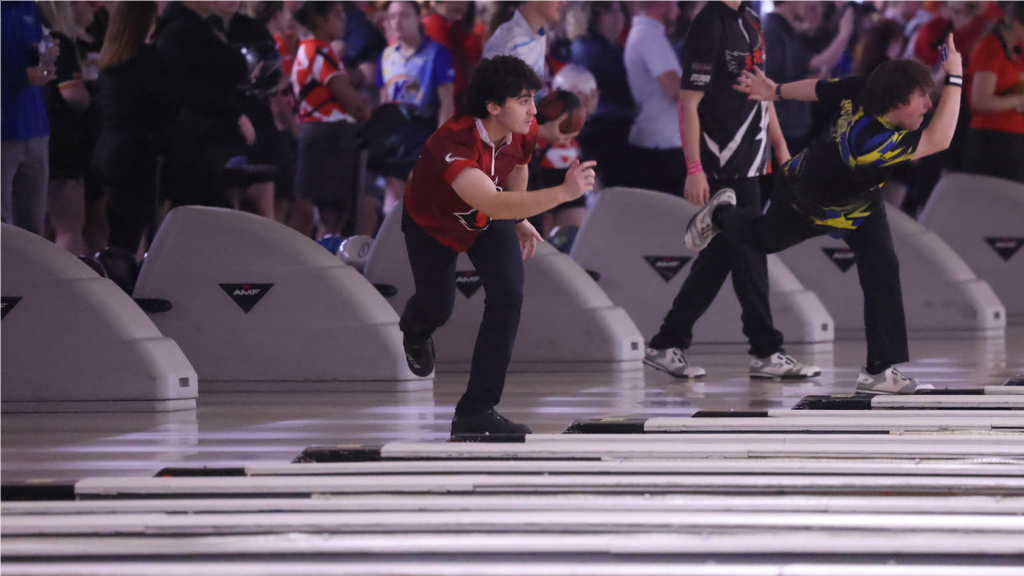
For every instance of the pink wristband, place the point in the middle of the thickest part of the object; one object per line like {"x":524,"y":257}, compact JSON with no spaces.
{"x":694,"y":168}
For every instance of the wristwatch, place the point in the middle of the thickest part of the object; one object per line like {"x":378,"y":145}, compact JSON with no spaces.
{"x":778,"y":91}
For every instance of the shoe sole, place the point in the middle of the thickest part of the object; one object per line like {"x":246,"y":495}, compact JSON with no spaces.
{"x":686,"y":236}
{"x":772,"y":377}
{"x":660,"y":368}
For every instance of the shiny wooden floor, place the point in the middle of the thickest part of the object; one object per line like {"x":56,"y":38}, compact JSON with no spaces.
{"x":239,"y":429}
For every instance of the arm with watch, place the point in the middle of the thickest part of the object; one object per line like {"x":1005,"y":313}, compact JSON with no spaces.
{"x":935,"y":138}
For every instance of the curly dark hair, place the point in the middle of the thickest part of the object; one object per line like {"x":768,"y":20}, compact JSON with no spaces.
{"x":496,"y":80}
{"x":893,"y":83}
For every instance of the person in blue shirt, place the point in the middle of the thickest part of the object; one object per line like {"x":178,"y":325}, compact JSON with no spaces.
{"x":606,"y":132}
{"x":24,"y":125}
{"x":416,"y":71}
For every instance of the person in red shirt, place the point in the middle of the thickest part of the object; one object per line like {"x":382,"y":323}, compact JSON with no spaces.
{"x":995,"y":143}
{"x":968,"y":22}
{"x":451,"y":26}
{"x":468,"y":194}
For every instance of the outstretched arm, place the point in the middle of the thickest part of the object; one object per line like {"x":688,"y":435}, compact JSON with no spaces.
{"x":477,"y":190}
{"x":761,"y":88}
{"x":937,"y":136}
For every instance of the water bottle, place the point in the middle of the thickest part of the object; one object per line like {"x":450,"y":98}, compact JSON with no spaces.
{"x":47,"y":51}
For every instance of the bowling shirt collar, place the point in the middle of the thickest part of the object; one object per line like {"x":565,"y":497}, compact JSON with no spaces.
{"x":487,"y":139}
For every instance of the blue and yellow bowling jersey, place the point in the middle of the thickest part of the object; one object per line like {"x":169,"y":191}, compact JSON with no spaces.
{"x":837,"y":177}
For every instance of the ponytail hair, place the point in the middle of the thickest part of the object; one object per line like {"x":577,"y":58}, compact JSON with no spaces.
{"x":311,"y":9}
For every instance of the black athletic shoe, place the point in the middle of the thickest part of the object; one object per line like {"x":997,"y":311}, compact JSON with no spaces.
{"x":419,"y":356}
{"x":489,"y":422}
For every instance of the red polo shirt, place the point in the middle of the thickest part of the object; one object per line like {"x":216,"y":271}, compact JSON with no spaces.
{"x":460,"y":144}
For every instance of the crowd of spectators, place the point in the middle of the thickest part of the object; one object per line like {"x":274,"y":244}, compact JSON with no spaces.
{"x":115,"y":112}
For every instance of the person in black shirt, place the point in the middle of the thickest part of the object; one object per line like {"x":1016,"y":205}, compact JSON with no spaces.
{"x":252,"y":39}
{"x":725,"y":138}
{"x":211,"y":128}
{"x":67,"y":100}
{"x":138,"y":105}
{"x":833,"y":187}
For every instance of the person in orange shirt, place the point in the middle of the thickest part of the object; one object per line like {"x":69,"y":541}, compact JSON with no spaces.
{"x":329,"y":108}
{"x":995,"y":143}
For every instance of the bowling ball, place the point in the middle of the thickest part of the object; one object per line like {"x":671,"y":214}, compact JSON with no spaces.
{"x":332,"y":242}
{"x":562,"y":237}
{"x":355,"y":250}
{"x":94,"y":264}
{"x":121,"y":267}
{"x":558,"y":102}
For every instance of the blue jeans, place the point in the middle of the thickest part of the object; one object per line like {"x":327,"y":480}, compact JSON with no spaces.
{"x":498,"y":260}
{"x":26,"y":176}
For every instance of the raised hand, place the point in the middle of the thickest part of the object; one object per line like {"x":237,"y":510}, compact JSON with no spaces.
{"x":579,"y":179}
{"x":757,"y":85}
{"x":953,"y":64}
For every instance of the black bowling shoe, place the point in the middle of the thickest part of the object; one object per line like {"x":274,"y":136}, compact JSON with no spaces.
{"x":489,"y":422}
{"x":419,"y":356}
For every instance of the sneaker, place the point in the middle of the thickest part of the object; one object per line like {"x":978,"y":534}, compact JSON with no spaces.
{"x":888,"y":382}
{"x":419,"y":356}
{"x":673,"y":362}
{"x":781,"y":365}
{"x":700,"y":230}
{"x":489,"y":422}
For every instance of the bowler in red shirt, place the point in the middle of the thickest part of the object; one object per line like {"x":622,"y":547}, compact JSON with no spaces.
{"x":467,"y":193}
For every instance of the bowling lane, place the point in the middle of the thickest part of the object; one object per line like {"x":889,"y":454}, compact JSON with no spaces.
{"x":238,"y":429}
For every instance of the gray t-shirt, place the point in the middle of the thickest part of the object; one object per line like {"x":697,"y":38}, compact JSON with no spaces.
{"x":649,"y":55}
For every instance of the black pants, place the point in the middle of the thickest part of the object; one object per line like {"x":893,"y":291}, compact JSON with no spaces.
{"x":499,"y":263}
{"x":657,"y":169}
{"x":877,"y":267}
{"x":129,"y":169}
{"x":994,"y":153}
{"x":749,"y":269}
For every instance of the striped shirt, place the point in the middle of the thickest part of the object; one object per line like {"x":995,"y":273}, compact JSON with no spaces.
{"x":315,"y":65}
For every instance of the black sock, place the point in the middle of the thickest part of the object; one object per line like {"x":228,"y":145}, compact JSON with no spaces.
{"x":877,"y":368}
{"x":719,"y":211}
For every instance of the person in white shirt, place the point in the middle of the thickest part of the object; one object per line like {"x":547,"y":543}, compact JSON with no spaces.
{"x":653,"y":71}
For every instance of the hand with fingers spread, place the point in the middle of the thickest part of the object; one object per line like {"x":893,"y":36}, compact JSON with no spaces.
{"x":757,"y":85}
{"x":528,"y":238}
{"x":579,"y":179}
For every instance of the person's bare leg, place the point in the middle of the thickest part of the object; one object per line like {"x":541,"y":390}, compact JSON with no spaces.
{"x":370,"y":222}
{"x":65,"y":204}
{"x":394,"y":191}
{"x":262,"y":195}
{"x":331,"y":222}
{"x":301,"y":217}
{"x":569,"y":217}
{"x":282,"y":206}
{"x":97,"y":228}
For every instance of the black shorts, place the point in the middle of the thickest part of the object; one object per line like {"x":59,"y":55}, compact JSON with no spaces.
{"x":994,"y":153}
{"x":327,"y":163}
